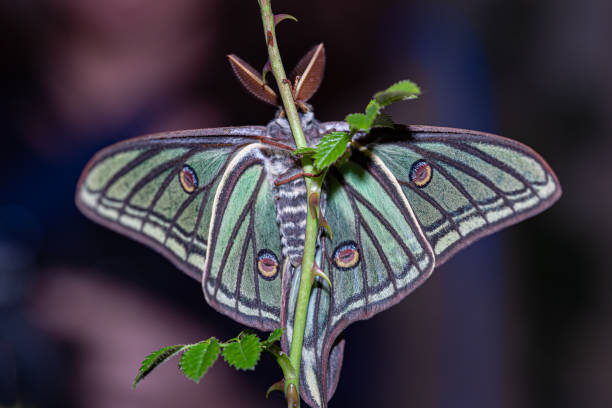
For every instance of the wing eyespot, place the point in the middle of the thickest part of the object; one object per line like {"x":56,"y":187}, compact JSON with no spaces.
{"x":188,"y":179}
{"x":421,"y":173}
{"x":267,"y":264}
{"x":346,"y":255}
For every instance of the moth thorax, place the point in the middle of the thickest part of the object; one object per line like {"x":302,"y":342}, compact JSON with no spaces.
{"x":279,"y":128}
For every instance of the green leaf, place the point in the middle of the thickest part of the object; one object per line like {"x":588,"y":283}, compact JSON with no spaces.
{"x":358,"y":122}
{"x":304,"y":151}
{"x":330,"y":148}
{"x":244,"y":353}
{"x":275,"y":335}
{"x":197,"y":359}
{"x":372,"y":111}
{"x":155,"y":359}
{"x":400,"y":91}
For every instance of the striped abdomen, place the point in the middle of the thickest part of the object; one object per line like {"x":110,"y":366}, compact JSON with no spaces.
{"x":291,"y":208}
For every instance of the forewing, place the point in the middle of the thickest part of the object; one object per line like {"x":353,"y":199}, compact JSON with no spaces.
{"x":159,"y":189}
{"x":243,"y":271}
{"x":479,"y":183}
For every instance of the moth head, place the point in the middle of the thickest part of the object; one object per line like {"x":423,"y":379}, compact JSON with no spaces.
{"x":279,"y":129}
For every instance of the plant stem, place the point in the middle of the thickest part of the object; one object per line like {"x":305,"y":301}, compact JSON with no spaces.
{"x":313,"y":185}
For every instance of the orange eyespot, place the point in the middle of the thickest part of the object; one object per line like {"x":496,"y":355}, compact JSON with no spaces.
{"x":188,"y":179}
{"x":267,"y":264}
{"x":346,"y":255}
{"x":420,"y":173}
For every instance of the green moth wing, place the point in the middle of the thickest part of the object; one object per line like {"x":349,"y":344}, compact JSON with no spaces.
{"x":159,"y":189}
{"x":406,"y":200}
{"x":377,"y":255}
{"x":462,"y":184}
{"x":243,"y":272}
{"x":452,"y":186}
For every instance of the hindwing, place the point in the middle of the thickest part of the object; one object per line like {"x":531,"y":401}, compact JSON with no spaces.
{"x":377,"y":255}
{"x":243,"y":272}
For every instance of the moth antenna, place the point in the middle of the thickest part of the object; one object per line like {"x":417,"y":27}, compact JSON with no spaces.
{"x":252,"y":80}
{"x":310,"y":69}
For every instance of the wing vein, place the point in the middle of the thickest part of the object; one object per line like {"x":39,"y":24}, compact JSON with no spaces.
{"x":492,"y":160}
{"x":391,"y":230}
{"x":447,"y":215}
{"x":466,"y":169}
{"x":126,"y":169}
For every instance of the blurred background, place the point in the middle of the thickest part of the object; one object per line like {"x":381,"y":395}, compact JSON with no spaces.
{"x":521,"y":318}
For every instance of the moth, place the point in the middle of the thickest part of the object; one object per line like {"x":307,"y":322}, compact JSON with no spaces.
{"x":228,"y":207}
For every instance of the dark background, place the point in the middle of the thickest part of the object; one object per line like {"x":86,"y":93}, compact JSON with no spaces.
{"x":521,"y":318}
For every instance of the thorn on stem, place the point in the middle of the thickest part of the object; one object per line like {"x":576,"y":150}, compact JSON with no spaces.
{"x":277,"y":386}
{"x":316,"y":271}
{"x":280,"y":17}
{"x":323,"y":224}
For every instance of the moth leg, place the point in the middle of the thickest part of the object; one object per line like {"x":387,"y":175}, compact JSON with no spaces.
{"x":280,"y":113}
{"x":272,"y":142}
{"x":295,"y":83}
{"x":303,"y":106}
{"x":300,"y":104}
{"x":295,"y":177}
{"x":295,"y":86}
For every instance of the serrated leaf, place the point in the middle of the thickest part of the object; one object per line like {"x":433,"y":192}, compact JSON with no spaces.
{"x":197,"y":359}
{"x":330,"y":148}
{"x":155,"y":359}
{"x":244,"y":353}
{"x":304,"y":151}
{"x":383,"y":121}
{"x":372,"y":111}
{"x":400,"y":91}
{"x":358,"y":122}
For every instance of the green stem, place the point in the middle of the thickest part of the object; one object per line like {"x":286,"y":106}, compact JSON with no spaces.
{"x":313,"y":185}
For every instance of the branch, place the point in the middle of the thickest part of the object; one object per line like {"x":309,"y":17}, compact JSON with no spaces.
{"x":313,"y":187}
